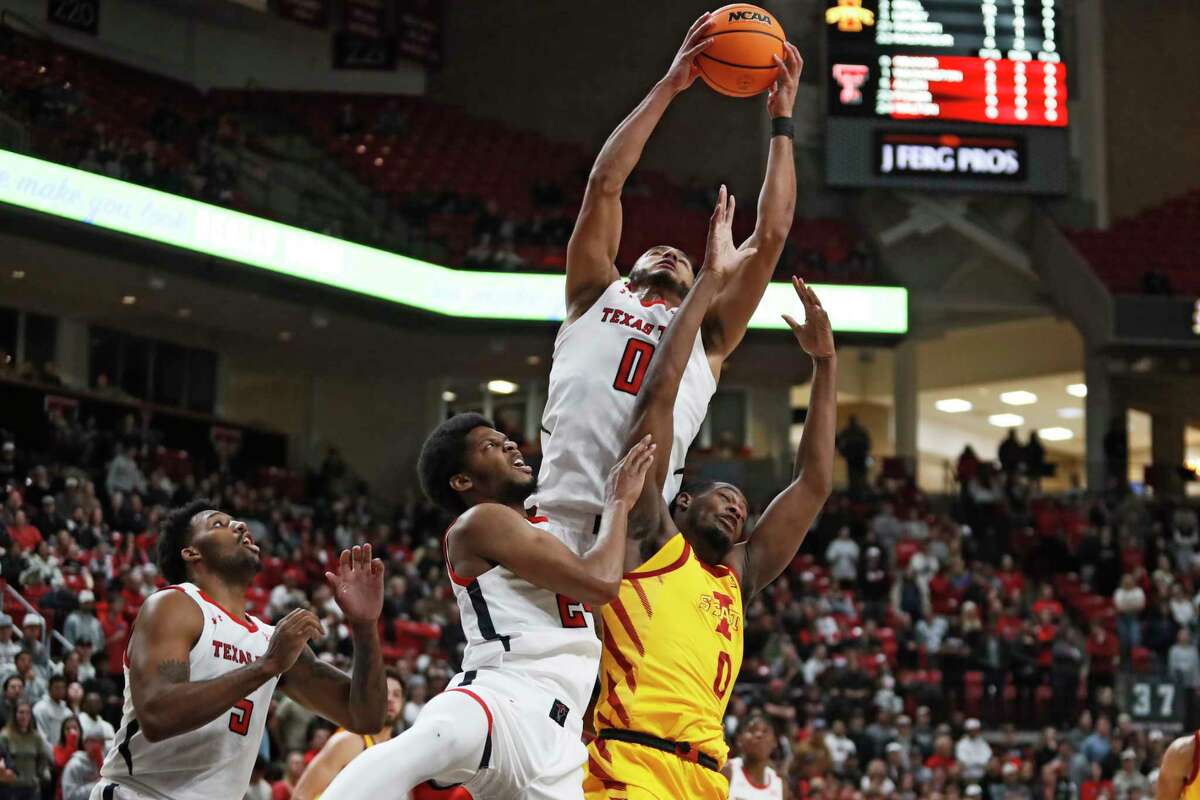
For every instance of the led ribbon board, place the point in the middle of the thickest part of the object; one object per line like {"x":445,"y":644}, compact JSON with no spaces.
{"x":219,"y":232}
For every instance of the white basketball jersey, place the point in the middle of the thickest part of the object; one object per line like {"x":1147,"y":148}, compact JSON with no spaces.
{"x":600,"y":361}
{"x":534,"y":633}
{"x":214,"y":760}
{"x":742,"y":788}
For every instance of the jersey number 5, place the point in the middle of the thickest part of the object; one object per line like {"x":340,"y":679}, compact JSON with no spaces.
{"x":239,"y":718}
{"x":634,"y":363}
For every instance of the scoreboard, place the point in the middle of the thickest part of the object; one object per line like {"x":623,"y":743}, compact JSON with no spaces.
{"x":962,"y":94}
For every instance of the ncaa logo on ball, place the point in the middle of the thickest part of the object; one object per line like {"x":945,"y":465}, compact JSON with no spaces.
{"x":749,"y":16}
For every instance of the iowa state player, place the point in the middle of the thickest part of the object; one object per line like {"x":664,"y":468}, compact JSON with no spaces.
{"x":673,"y":637}
{"x":612,"y":328}
{"x":200,"y":671}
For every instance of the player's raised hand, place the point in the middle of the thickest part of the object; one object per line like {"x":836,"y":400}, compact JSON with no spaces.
{"x":291,"y":636}
{"x":683,"y":71}
{"x":358,"y":585}
{"x":816,"y":334}
{"x":626,"y":478}
{"x":720,"y":255}
{"x":782,"y":97}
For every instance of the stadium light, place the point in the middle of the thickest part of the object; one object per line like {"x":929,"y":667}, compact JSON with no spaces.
{"x":953,"y":405}
{"x":1018,"y":398}
{"x":501,"y":387}
{"x":1006,"y":420}
{"x":1077,"y":390}
{"x":149,"y":214}
{"x":1070,"y":413}
{"x":1055,"y":434}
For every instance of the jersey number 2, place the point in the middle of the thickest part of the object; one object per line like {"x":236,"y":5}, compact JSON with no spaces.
{"x":634,"y":363}
{"x":572,"y":612}
{"x":239,"y":718}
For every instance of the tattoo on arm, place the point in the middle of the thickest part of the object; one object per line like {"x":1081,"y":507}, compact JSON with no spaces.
{"x":175,"y":671}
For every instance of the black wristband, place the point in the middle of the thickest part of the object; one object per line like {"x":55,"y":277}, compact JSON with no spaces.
{"x":783,"y":126}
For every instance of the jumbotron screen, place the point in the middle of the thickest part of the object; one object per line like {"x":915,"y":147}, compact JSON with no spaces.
{"x":994,"y":62}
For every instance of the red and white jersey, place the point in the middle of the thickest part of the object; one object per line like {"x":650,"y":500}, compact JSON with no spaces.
{"x":600,"y":361}
{"x":742,"y":788}
{"x":529,"y":632}
{"x":216,"y":759}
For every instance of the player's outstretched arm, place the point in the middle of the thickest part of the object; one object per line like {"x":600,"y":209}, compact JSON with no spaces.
{"x":357,"y":702}
{"x":730,"y":314}
{"x":166,"y":701}
{"x":785,"y":523}
{"x":592,"y":251}
{"x":1175,"y":769}
{"x":339,"y":751}
{"x":654,"y":409}
{"x":495,"y":533}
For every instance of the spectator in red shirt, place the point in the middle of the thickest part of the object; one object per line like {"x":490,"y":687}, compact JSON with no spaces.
{"x":23,"y":534}
{"x":1095,"y":787}
{"x":282,"y":789}
{"x":115,"y":624}
{"x":1103,"y":658}
{"x":943,"y":756}
{"x":1011,"y":579}
{"x":1047,"y":602}
{"x":1047,"y":630}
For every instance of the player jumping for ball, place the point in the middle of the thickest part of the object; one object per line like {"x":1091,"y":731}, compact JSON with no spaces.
{"x":200,"y":671}
{"x":612,"y":328}
{"x":510,"y":724}
{"x":673,"y":637}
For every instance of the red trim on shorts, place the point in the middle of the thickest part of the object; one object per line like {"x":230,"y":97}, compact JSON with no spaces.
{"x":479,"y":700}
{"x":537,"y":520}
{"x":679,"y":562}
{"x":247,"y":624}
{"x":605,"y":779}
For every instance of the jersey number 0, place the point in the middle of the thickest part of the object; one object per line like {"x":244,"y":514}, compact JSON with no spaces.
{"x":634,"y":363}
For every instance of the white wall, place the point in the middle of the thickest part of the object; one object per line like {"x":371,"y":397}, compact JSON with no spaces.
{"x":230,"y":48}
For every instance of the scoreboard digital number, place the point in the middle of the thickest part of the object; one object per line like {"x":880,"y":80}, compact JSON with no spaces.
{"x":993,"y":62}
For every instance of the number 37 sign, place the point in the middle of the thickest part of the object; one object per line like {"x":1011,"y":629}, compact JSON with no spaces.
{"x":1152,"y":699}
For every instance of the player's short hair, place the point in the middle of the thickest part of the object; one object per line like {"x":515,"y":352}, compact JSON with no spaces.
{"x":174,"y":534}
{"x":694,"y":487}
{"x":442,"y":457}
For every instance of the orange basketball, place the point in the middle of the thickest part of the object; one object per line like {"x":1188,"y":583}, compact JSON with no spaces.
{"x":738,"y":62}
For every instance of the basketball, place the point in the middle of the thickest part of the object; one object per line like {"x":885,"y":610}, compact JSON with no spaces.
{"x":738,"y":62}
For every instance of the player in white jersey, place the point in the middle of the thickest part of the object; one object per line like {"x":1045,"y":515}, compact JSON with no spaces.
{"x":510,"y":724}
{"x":612,"y":327}
{"x":750,"y":775}
{"x":200,"y":671}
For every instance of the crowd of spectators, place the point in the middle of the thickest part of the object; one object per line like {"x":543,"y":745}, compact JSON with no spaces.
{"x":913,"y":649}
